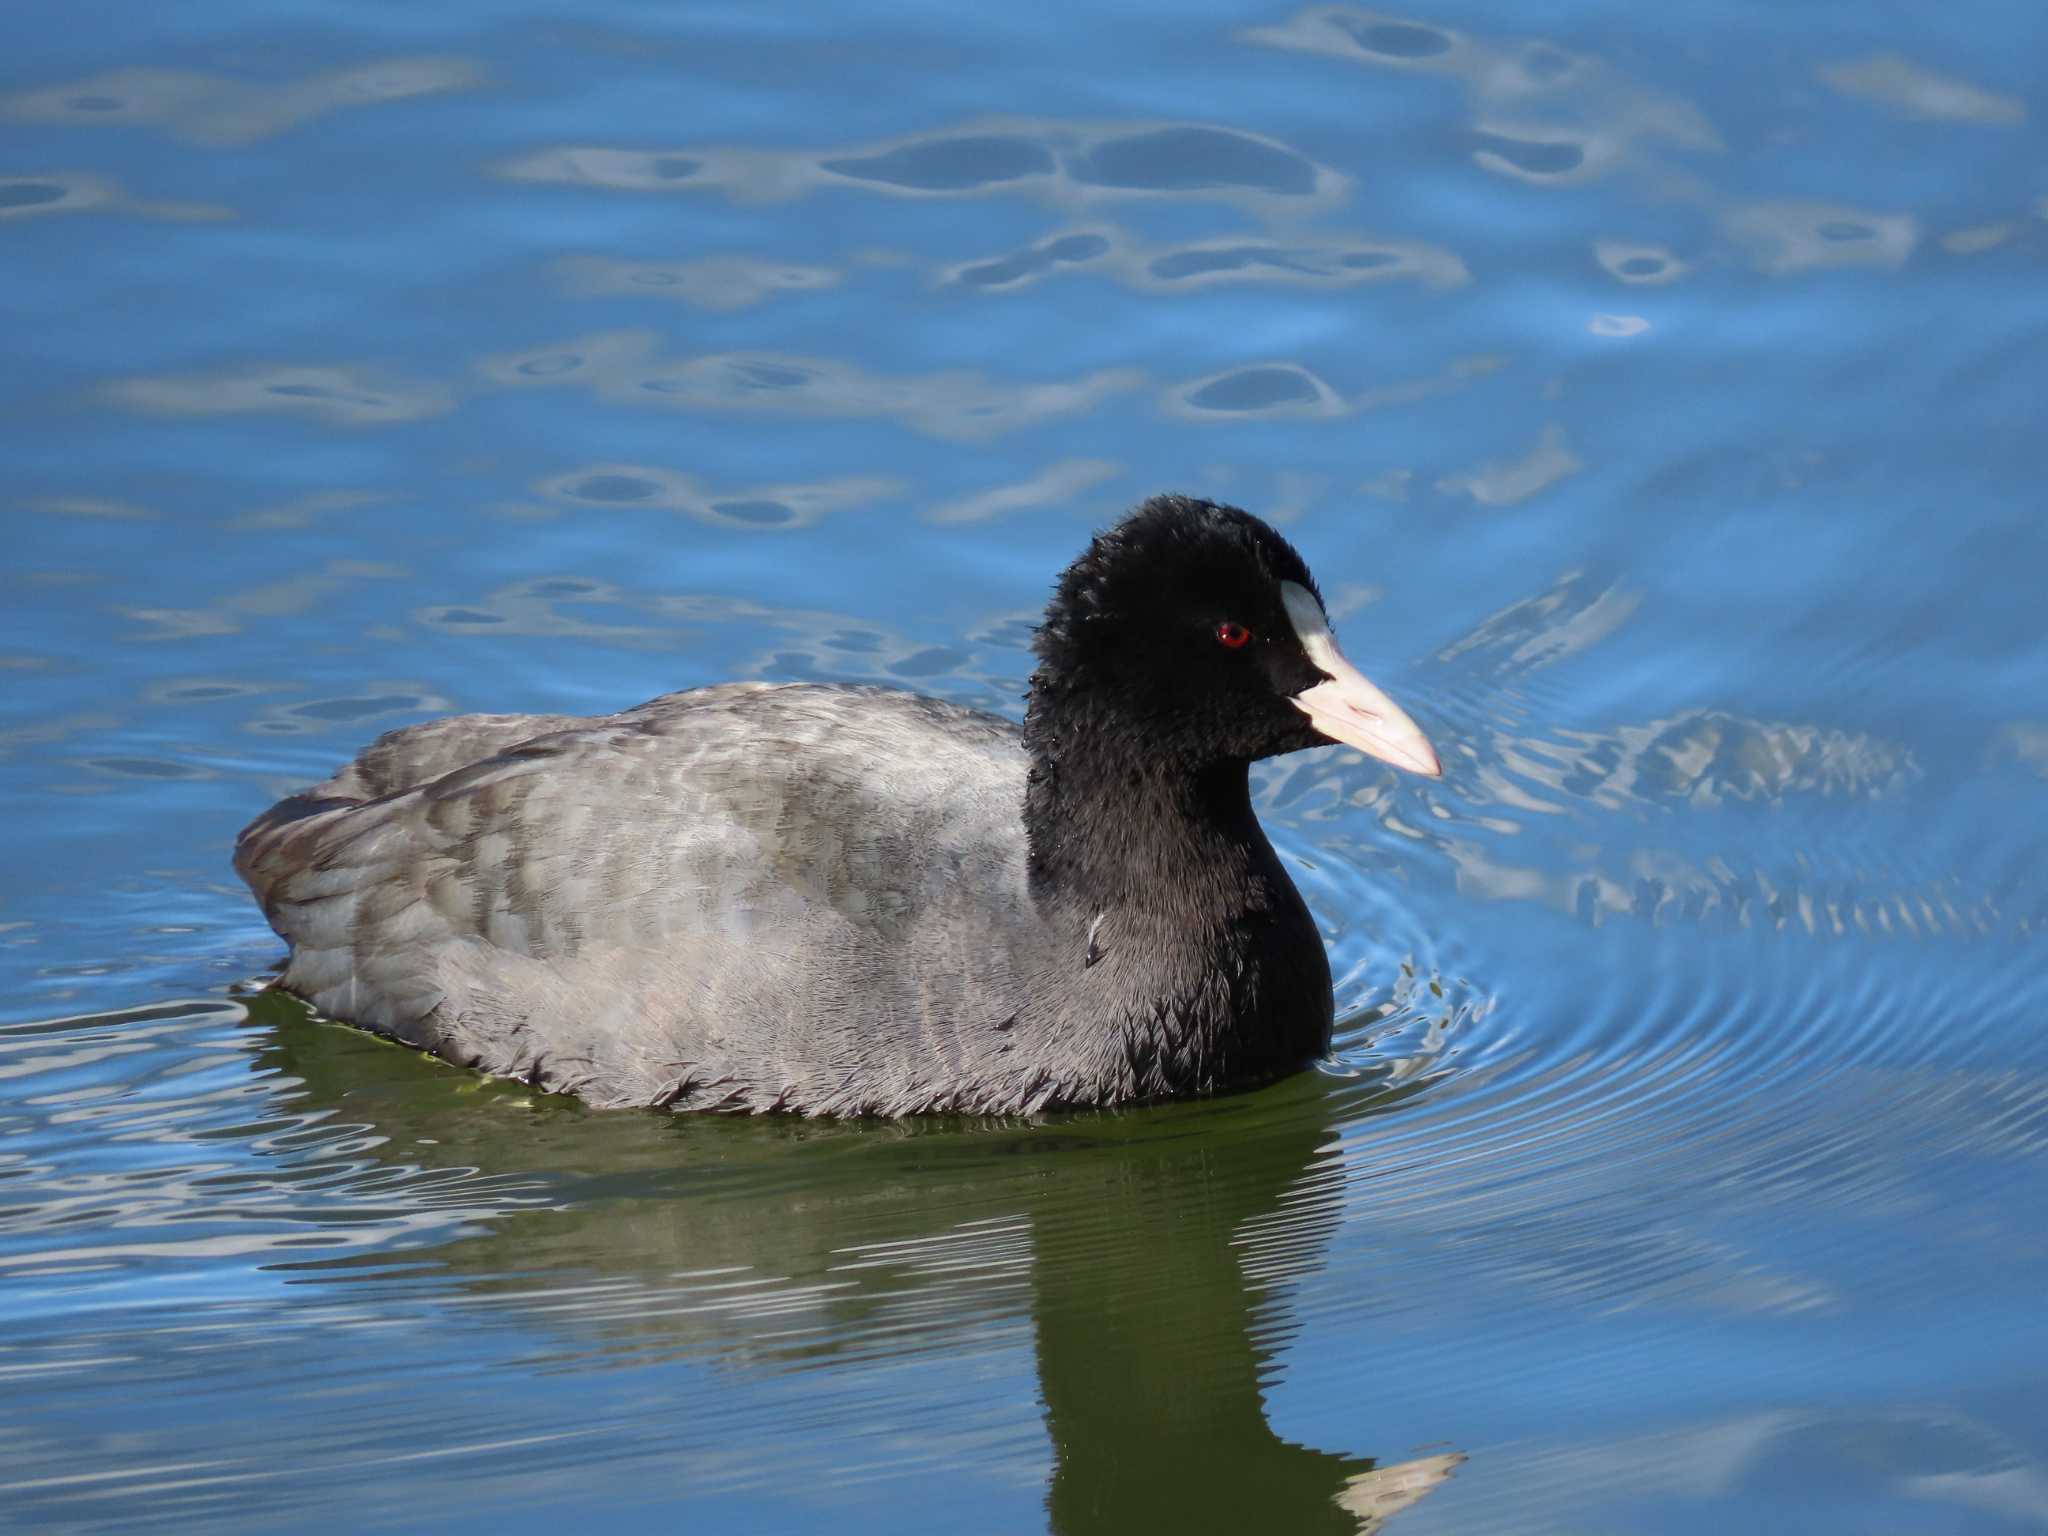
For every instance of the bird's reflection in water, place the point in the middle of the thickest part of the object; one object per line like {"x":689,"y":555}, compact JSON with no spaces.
{"x":1120,"y":1232}
{"x":1153,"y":1345}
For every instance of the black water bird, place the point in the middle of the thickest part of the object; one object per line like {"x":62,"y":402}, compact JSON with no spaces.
{"x":843,"y":900}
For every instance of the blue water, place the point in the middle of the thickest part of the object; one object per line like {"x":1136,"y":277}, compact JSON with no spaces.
{"x":1657,"y":394}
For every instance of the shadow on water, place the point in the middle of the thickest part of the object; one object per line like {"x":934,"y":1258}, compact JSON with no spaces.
{"x":773,"y":1245}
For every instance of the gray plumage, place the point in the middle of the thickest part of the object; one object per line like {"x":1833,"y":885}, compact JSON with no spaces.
{"x":831,"y":899}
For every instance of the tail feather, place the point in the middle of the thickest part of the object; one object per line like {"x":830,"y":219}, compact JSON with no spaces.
{"x":282,"y":844}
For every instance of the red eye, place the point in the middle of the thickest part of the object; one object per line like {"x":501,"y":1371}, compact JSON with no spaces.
{"x":1232,"y":635}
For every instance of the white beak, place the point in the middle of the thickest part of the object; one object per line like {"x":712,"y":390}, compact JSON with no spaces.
{"x":1347,"y":708}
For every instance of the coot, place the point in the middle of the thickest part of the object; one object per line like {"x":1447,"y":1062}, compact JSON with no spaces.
{"x":841,"y":900}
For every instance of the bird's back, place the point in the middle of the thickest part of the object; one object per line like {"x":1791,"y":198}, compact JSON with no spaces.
{"x":801,"y":896}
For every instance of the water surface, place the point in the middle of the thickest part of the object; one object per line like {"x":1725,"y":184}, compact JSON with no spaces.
{"x":1656,"y":394}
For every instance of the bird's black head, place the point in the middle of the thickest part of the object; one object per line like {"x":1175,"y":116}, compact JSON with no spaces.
{"x":1196,"y":632}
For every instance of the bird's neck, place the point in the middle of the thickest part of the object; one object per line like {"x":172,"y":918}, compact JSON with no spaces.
{"x":1113,"y":825}
{"x":1187,"y":931}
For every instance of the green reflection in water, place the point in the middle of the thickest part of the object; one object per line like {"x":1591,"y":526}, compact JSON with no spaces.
{"x":774,"y":1242}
